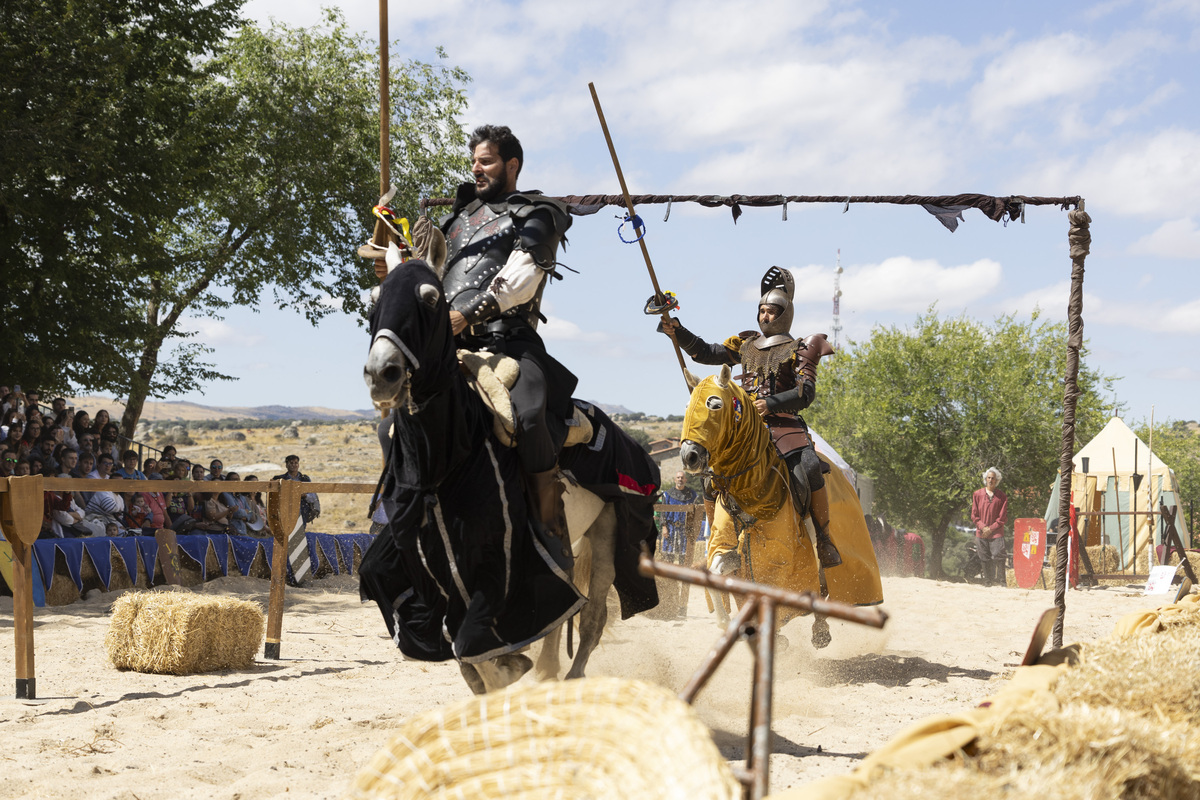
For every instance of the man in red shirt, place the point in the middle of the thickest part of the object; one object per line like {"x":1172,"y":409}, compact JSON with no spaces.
{"x":989,"y":512}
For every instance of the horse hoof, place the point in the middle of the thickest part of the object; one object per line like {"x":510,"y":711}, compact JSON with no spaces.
{"x":515,"y":665}
{"x":820,"y":633}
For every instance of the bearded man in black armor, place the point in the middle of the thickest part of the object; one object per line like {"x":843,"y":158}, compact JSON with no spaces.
{"x":502,"y":249}
{"x":780,"y":373}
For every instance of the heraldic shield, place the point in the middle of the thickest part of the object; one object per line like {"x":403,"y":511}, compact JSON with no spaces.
{"x":1029,"y":550}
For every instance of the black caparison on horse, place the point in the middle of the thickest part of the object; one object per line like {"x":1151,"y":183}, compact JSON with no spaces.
{"x":459,"y":571}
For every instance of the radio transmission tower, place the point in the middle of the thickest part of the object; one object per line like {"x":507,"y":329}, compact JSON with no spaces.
{"x":837,"y":301}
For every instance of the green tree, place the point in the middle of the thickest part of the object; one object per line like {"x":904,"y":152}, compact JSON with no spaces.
{"x":1177,"y":445}
{"x":94,"y":105}
{"x":288,"y":121}
{"x":925,"y":410}
{"x":251,"y":172}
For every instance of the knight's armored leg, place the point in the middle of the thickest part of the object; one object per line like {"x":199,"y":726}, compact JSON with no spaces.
{"x":535,"y":449}
{"x":827,"y":552}
{"x":801,"y":495}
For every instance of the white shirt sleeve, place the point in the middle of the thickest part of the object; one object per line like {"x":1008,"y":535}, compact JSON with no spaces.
{"x":517,"y":281}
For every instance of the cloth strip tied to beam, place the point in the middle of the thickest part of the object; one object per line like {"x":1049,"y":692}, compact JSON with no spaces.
{"x":1010,"y":207}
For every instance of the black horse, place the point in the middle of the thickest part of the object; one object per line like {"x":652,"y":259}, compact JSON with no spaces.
{"x":459,"y":570}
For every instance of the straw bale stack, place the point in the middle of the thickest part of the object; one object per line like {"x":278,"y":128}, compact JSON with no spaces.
{"x":1122,"y":723}
{"x":590,"y":738}
{"x":180,"y":633}
{"x":1143,"y":562}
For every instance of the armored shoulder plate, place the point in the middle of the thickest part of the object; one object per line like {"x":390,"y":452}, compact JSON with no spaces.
{"x":480,"y":237}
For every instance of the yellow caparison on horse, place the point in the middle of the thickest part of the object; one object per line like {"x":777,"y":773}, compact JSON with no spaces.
{"x":725,"y":438}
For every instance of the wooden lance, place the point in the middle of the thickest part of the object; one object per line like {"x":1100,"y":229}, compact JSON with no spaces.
{"x":659,"y":296}
{"x":385,"y":149}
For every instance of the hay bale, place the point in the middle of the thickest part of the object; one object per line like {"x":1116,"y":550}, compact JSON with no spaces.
{"x":1152,"y":674}
{"x":594,"y":738}
{"x":179,"y":633}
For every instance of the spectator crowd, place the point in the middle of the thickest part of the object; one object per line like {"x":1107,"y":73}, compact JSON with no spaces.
{"x":57,"y":441}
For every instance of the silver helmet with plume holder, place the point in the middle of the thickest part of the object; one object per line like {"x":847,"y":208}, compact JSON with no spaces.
{"x":778,"y":289}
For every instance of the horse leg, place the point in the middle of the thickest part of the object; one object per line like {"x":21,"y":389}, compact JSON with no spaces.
{"x":548,"y":665}
{"x":821,"y":637}
{"x":472,"y":677}
{"x":502,"y":671}
{"x":592,"y":619}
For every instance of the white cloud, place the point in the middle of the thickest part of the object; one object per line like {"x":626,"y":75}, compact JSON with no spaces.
{"x":901,"y":283}
{"x":1182,"y":319}
{"x":557,"y":329}
{"x":1179,"y":238}
{"x":1052,"y":301}
{"x":218,"y":333}
{"x":1176,"y":374}
{"x":1146,"y":175}
{"x":1061,"y":66}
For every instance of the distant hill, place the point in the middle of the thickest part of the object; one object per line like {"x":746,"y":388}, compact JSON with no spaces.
{"x":182,"y":411}
{"x":610,"y":409}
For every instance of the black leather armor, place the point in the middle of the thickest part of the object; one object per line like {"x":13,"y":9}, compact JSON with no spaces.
{"x":480,"y":237}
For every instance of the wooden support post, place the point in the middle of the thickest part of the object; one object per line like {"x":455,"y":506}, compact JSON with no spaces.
{"x":764,"y":680}
{"x":1172,"y":540}
{"x":283,"y":514}
{"x":21,"y":510}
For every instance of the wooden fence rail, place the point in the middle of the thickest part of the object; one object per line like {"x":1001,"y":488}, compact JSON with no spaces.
{"x":21,"y":511}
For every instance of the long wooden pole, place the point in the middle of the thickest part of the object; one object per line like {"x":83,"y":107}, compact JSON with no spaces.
{"x":612,"y":151}
{"x":385,"y":114}
{"x":385,"y":121}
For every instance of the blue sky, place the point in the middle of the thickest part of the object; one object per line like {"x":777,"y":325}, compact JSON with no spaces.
{"x":792,"y":97}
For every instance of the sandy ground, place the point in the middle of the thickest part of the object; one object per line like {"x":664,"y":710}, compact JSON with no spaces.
{"x":301,"y":726}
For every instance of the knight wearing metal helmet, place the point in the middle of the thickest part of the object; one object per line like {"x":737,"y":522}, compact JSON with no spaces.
{"x":780,"y":373}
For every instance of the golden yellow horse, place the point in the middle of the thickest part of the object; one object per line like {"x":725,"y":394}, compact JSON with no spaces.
{"x":725,"y":437}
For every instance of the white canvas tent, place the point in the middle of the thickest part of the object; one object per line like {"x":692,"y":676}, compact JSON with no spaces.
{"x":862,"y":484}
{"x":1114,"y":488}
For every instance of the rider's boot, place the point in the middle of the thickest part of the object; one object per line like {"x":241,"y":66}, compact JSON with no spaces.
{"x":548,"y":505}
{"x":827,"y":552}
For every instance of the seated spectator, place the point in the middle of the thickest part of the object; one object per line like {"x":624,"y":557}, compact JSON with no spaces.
{"x":257,"y":526}
{"x":59,"y":406}
{"x":33,"y":431}
{"x":243,"y":509}
{"x":67,"y":519}
{"x":87,"y":444}
{"x":129,"y":470}
{"x":216,"y":517}
{"x":180,"y":505}
{"x":168,"y":453}
{"x":8,"y":462}
{"x":214,"y":470}
{"x":137,"y":512}
{"x":109,"y":437}
{"x":156,"y":507}
{"x":99,"y":421}
{"x":86,"y":465}
{"x":36,"y":466}
{"x":150,"y":467}
{"x":81,"y":424}
{"x":32,"y":398}
{"x":197,"y":472}
{"x":104,"y":506}
{"x":22,"y":467}
{"x":14,"y":430}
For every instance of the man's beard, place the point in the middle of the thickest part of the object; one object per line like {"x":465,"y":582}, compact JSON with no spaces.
{"x":492,"y":191}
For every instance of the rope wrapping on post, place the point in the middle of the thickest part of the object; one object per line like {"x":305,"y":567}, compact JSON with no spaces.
{"x":1080,"y":239}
